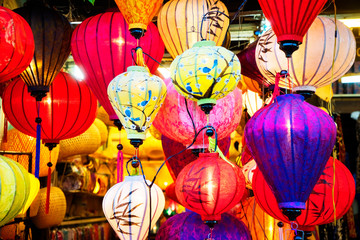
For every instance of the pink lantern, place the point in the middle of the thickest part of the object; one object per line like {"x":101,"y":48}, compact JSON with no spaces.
{"x":174,"y":122}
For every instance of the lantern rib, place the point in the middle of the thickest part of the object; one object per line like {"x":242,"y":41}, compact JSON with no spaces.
{"x":110,"y":45}
{"x":177,"y":31}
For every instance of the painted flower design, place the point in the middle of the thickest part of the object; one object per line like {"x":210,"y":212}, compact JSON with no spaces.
{"x":191,"y":73}
{"x":154,"y":98}
{"x":181,"y":65}
{"x":143,"y":128}
{"x":133,"y":126}
{"x":198,"y":85}
{"x":126,"y":119}
{"x":209,"y":77}
{"x":148,"y":119}
{"x":218,"y":79}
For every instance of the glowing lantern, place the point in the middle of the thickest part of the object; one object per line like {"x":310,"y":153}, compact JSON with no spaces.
{"x":17,"y":44}
{"x":34,"y":187}
{"x":102,"y":45}
{"x":179,"y":23}
{"x":188,"y":225}
{"x":136,"y":96}
{"x":252,"y":102}
{"x":286,"y":146}
{"x":174,"y":122}
{"x":127,"y":207}
{"x":311,"y":66}
{"x":290,"y":20}
{"x":247,"y":83}
{"x":210,"y":186}
{"x":205,"y":73}
{"x":138,"y":14}
{"x":319,"y":207}
{"x":52,"y":34}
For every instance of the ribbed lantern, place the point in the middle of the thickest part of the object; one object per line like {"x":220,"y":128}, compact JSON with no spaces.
{"x":136,"y":97}
{"x":210,"y":186}
{"x":127,"y":207}
{"x":319,"y":207}
{"x":287,"y":139}
{"x":205,"y":73}
{"x":311,"y":66}
{"x":17,"y":44}
{"x":102,"y":45}
{"x":179,"y":23}
{"x":188,"y":226}
{"x":290,"y":20}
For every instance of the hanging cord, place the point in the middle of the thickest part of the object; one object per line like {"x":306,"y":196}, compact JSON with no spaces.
{"x":38,"y":140}
{"x":334,"y":55}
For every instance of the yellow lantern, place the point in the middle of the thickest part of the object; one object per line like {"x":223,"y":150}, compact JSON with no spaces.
{"x":205,"y":73}
{"x":247,"y":83}
{"x":314,"y":64}
{"x":102,"y":129}
{"x":179,"y":23}
{"x":138,"y":14}
{"x":136,"y":97}
{"x":34,"y":184}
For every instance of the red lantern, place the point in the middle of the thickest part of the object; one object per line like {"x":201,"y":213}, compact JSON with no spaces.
{"x":102,"y":47}
{"x":17,"y":44}
{"x":210,"y":186}
{"x":319,"y":207}
{"x":290,"y":20}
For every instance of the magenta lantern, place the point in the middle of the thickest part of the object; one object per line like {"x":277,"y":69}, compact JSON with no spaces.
{"x":210,"y":186}
{"x":174,"y":122}
{"x":102,"y":47}
{"x":291,"y":142}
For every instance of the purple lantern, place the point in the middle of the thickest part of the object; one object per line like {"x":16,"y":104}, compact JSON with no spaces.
{"x":189,"y":226}
{"x":291,"y":141}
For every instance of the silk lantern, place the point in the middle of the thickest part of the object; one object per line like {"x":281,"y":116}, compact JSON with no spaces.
{"x":319,"y":207}
{"x":52,"y":34}
{"x":311,"y":66}
{"x":127,"y":207}
{"x":138,"y":14}
{"x":188,"y":225}
{"x":290,"y":20}
{"x":136,"y":96}
{"x":34,"y":187}
{"x":179,"y":23}
{"x":17,"y":44}
{"x":210,"y":186}
{"x":174,"y":122}
{"x":101,"y":47}
{"x":205,"y":73}
{"x":287,"y":139}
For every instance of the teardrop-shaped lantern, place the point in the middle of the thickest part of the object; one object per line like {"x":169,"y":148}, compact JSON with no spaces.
{"x":205,"y":73}
{"x":290,"y":20}
{"x":17,"y":44}
{"x":179,"y":23}
{"x":127,"y":207}
{"x":136,"y":97}
{"x":314,"y":65}
{"x":52,"y":34}
{"x":287,"y":139}
{"x":102,"y":45}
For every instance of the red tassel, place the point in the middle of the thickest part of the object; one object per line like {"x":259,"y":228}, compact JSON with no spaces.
{"x":48,"y":186}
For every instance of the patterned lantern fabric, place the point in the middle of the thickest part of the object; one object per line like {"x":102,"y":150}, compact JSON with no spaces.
{"x":179,"y":23}
{"x":189,"y":226}
{"x":205,"y":72}
{"x":127,"y":207}
{"x":136,"y":96}
{"x":17,"y":44}
{"x":210,"y":186}
{"x":287,"y":139}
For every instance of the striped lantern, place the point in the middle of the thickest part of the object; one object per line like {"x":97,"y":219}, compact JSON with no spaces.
{"x":179,"y":23}
{"x":127,"y":207}
{"x":311,"y":66}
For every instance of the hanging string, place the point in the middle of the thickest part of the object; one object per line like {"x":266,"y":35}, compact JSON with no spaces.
{"x":276,"y":88}
{"x":333,"y":60}
{"x":38,"y":139}
{"x":333,"y":186}
{"x":48,"y":186}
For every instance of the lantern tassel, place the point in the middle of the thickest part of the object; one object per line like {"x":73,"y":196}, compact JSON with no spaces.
{"x":120,"y":166}
{"x":48,"y":186}
{"x":140,"y":61}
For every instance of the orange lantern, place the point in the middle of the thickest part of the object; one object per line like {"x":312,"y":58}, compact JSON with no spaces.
{"x":179,"y":23}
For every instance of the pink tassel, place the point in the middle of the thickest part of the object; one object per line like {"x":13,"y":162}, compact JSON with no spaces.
{"x":120,"y":166}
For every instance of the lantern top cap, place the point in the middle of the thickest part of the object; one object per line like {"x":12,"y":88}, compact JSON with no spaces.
{"x":209,"y":155}
{"x":135,"y":178}
{"x":136,"y":69}
{"x":205,"y":44}
{"x":290,"y":96}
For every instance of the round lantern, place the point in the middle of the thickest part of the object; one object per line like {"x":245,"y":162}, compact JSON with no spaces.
{"x":287,"y":139}
{"x":290,"y":20}
{"x":34,"y":187}
{"x":179,"y":161}
{"x":136,"y":96}
{"x":319,"y":207}
{"x":138,"y":14}
{"x":174,"y":122}
{"x":17,"y":44}
{"x":127,"y":207}
{"x":57,"y":209}
{"x":102,"y":48}
{"x":311,"y":66}
{"x":252,"y":102}
{"x":52,"y":34}
{"x":247,"y":83}
{"x":179,"y":23}
{"x":205,"y":73}
{"x":210,"y":186}
{"x":67,"y":111}
{"x":188,"y":226}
